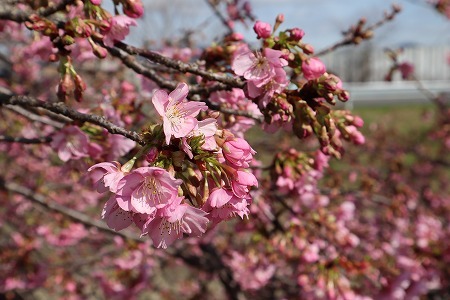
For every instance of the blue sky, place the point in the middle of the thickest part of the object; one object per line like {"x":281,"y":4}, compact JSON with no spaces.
{"x":322,"y":20}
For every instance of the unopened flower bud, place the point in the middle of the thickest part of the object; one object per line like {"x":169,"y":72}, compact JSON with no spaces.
{"x":307,"y":48}
{"x":133,"y":8}
{"x":152,"y":154}
{"x":67,"y":40}
{"x":236,"y":36}
{"x":313,"y":68}
{"x":262,"y":29}
{"x":214,"y":114}
{"x":128,"y":165}
{"x":297,"y":34}
{"x":53,"y":57}
{"x":280,"y":18}
{"x":100,"y":52}
{"x":79,"y":82}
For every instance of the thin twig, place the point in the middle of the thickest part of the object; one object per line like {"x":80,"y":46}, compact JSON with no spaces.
{"x":61,"y":108}
{"x":181,"y":66}
{"x":220,"y":16}
{"x":33,"y":117}
{"x":350,"y":35}
{"x":55,"y":207}
{"x":194,"y":91}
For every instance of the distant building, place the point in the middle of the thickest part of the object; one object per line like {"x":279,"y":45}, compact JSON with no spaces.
{"x":367,"y":63}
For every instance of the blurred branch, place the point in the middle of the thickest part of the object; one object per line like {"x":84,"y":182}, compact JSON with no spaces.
{"x":210,"y":262}
{"x":356,"y":34}
{"x":61,"y":108}
{"x":7,"y":12}
{"x":181,"y":66}
{"x":22,"y":140}
{"x":55,"y":207}
{"x":219,"y":15}
{"x":34,"y":117}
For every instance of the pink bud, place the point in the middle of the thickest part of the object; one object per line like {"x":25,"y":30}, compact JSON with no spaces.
{"x":297,"y":34}
{"x":307,"y":48}
{"x":96,"y":2}
{"x":406,"y":69}
{"x":151,"y":155}
{"x":262,"y":29}
{"x":358,"y":122}
{"x":313,"y":68}
{"x":236,"y":36}
{"x":133,"y":8}
{"x":280,"y":18}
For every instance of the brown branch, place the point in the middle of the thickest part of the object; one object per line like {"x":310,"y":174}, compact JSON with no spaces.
{"x":61,"y":108}
{"x":68,"y":212}
{"x":22,"y":140}
{"x":181,"y":66}
{"x":355,"y":35}
{"x":194,"y":91}
{"x":34,"y":117}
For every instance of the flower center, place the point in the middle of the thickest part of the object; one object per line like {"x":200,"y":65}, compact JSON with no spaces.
{"x":153,"y":190}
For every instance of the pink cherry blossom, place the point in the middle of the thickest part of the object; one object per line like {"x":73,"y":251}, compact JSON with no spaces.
{"x":147,"y":188}
{"x":313,"y":68}
{"x":106,"y":176}
{"x":119,"y":146}
{"x":259,"y":68}
{"x":262,"y":29}
{"x":223,"y":204}
{"x":116,"y":218}
{"x":133,"y":8}
{"x":71,"y":143}
{"x":178,"y":115}
{"x":119,"y":28}
{"x":297,"y":34}
{"x":205,"y":128}
{"x":241,"y":183}
{"x":174,"y":221}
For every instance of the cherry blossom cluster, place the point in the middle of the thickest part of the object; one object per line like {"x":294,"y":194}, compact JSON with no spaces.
{"x":195,"y":173}
{"x":371,"y":226}
{"x":285,"y":60}
{"x":86,"y":23}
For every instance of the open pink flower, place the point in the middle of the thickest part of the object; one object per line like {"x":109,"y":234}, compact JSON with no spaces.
{"x":171,"y":223}
{"x":119,"y":28}
{"x":205,"y":128}
{"x":223,"y":204}
{"x":178,"y":115}
{"x":147,"y":189}
{"x":71,"y":143}
{"x":259,"y":68}
{"x":116,"y":218}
